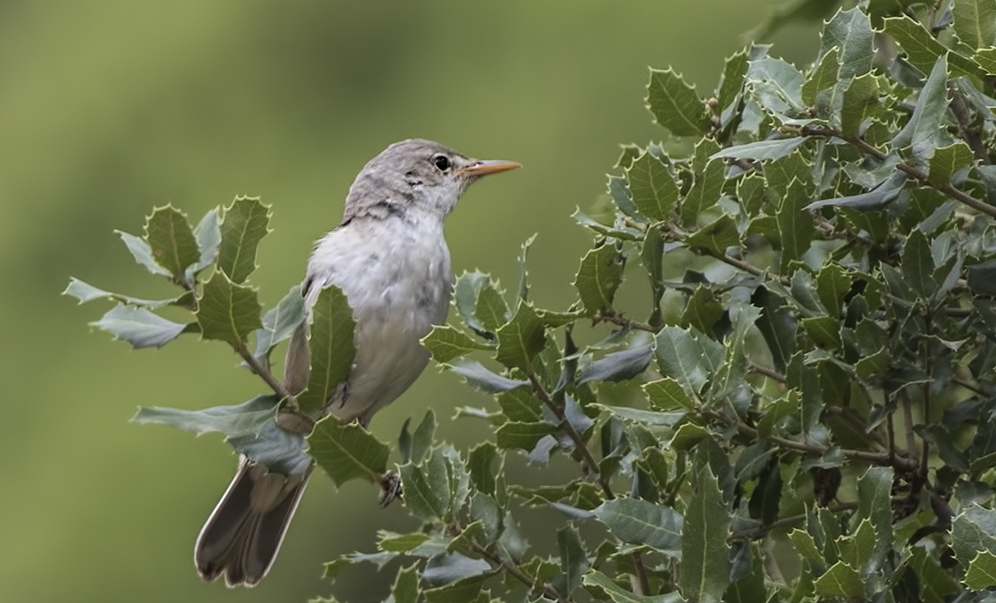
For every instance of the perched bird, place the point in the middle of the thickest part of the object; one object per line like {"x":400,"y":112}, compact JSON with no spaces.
{"x":389,"y":257}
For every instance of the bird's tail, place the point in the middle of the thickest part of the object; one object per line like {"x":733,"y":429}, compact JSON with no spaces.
{"x":244,"y":533}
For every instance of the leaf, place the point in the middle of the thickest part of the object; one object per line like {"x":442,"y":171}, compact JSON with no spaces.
{"x":521,"y":339}
{"x":480,"y":461}
{"x":522,"y":291}
{"x":981,"y":574}
{"x":795,"y":224}
{"x":242,"y":419}
{"x":598,"y":278}
{"x":923,"y":50}
{"x":514,"y":434}
{"x":652,"y":186}
{"x":641,"y":522}
{"x":975,"y":22}
{"x":841,"y":580}
{"x":483,"y":379}
{"x":850,"y":31}
{"x":452,"y":567}
{"x":425,"y":498}
{"x":331,"y":346}
{"x":761,"y":150}
{"x":716,"y":236}
{"x":491,"y":308}
{"x":348,"y":452}
{"x":85,"y":292}
{"x":520,"y":404}
{"x":860,"y":97}
{"x":142,"y":253}
{"x":618,"y":366}
{"x":244,"y":225}
{"x":924,"y":131}
{"x":226,"y":311}
{"x":824,"y":77}
{"x":688,"y":356}
{"x":279,"y":323}
{"x":618,"y":594}
{"x":573,"y":561}
{"x":405,"y":588}
{"x":139,"y":327}
{"x":171,"y":240}
{"x":280,"y":450}
{"x":708,"y":185}
{"x":732,"y":82}
{"x":446,"y":343}
{"x":884,"y":194}
{"x":208,"y":236}
{"x":972,"y":531}
{"x":675,"y":105}
{"x":705,"y":554}
{"x":875,"y":504}
{"x":645,"y":417}
{"x":422,"y":438}
{"x":667,"y":394}
{"x":947,"y":161}
{"x":465,"y":295}
{"x":918,"y":264}
{"x":619,"y":191}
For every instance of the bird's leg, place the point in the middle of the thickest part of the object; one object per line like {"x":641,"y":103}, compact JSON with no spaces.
{"x":390,"y":488}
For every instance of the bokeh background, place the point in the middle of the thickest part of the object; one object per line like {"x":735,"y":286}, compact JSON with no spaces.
{"x":109,"y":108}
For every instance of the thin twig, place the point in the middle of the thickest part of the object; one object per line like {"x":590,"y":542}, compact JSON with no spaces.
{"x":516,"y":572}
{"x":611,"y":315}
{"x":769,"y":373}
{"x":265,"y":374}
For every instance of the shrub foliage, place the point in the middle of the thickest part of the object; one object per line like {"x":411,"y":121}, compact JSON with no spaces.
{"x":803,"y":407}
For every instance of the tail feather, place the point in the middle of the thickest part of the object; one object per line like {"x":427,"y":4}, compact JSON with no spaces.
{"x":244,"y":532}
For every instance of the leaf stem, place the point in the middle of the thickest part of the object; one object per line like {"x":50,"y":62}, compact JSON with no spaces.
{"x":257,"y":367}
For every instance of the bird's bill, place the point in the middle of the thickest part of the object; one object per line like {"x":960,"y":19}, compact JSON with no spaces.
{"x":483,"y":168}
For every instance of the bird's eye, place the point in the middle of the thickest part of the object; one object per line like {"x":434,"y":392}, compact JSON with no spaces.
{"x":442,"y":162}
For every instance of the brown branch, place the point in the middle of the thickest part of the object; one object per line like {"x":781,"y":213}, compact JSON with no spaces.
{"x":769,"y":373}
{"x":611,"y":315}
{"x":264,"y":373}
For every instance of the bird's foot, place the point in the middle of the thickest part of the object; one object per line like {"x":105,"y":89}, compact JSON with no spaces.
{"x":390,"y":488}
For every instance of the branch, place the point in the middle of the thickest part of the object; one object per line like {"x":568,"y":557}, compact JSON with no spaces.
{"x":516,"y":572}
{"x":611,"y":315}
{"x":258,"y":368}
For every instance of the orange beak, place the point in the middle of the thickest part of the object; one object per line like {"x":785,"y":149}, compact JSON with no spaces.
{"x":483,"y":168}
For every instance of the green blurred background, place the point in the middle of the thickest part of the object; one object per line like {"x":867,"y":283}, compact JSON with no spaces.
{"x":110,"y":108}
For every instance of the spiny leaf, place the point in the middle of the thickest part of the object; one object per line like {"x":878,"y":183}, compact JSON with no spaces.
{"x":654,"y":190}
{"x":171,"y":240}
{"x":331,"y":346}
{"x":446,"y":343}
{"x":981,"y":573}
{"x":708,"y":185}
{"x":139,"y":327}
{"x":923,"y":50}
{"x":705,"y":554}
{"x":521,"y":339}
{"x":618,"y":594}
{"x":675,"y":104}
{"x":716,"y":236}
{"x":598,"y":278}
{"x":618,"y":366}
{"x":923,"y":133}
{"x":478,"y":376}
{"x":640,"y":522}
{"x":231,"y":421}
{"x":513,"y":434}
{"x":667,"y":394}
{"x":279,"y":323}
{"x":947,"y":161}
{"x":688,"y":356}
{"x":573,"y":561}
{"x":244,"y":224}
{"x":226,"y":311}
{"x":824,"y":77}
{"x":841,"y":580}
{"x":851,"y":33}
{"x":975,"y":22}
{"x":762,"y":149}
{"x":142,"y":252}
{"x":348,"y":452}
{"x":406,"y":588}
{"x":795,"y":224}
{"x":860,"y":96}
{"x":208,"y":235}
{"x":85,"y":292}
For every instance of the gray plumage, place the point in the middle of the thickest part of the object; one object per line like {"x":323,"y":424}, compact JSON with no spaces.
{"x":389,"y":257}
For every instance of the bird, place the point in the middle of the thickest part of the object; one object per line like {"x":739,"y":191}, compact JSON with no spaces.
{"x":389,"y":257}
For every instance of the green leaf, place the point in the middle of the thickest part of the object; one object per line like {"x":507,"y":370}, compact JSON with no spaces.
{"x":832,"y":284}
{"x":705,"y":554}
{"x":139,"y":327}
{"x":618,"y":366}
{"x":875,"y":504}
{"x":208,"y":236}
{"x":446,"y":343}
{"x":348,"y":452}
{"x":641,"y":522}
{"x":860,"y":97}
{"x":644,"y":417}
{"x":515,"y":434}
{"x":732,"y":82}
{"x":972,"y":531}
{"x":491,"y":308}
{"x":618,"y":594}
{"x":521,"y":339}
{"x":484,"y":509}
{"x":522,"y":290}
{"x":654,"y":191}
{"x":573,"y":561}
{"x":226,"y":311}
{"x":279,"y":323}
{"x":702,"y":310}
{"x":465,"y":295}
{"x":520,"y":404}
{"x":242,"y":419}
{"x":331,"y":345}
{"x":85,"y":292}
{"x":479,"y":377}
{"x":479,"y":465}
{"x":708,"y":185}
{"x":400,"y":543}
{"x":422,"y":438}
{"x":452,"y":568}
{"x":762,"y":150}
{"x":667,"y":394}
{"x":923,"y":50}
{"x":795,"y":224}
{"x":245,"y":223}
{"x":142,"y":252}
{"x":619,"y":191}
{"x":598,"y":278}
{"x":981,"y":574}
{"x":918,"y":264}
{"x":716,"y":236}
{"x":688,"y":356}
{"x":171,"y":240}
{"x":841,"y":580}
{"x":824,"y":77}
{"x":936,"y":584}
{"x":986,"y":58}
{"x":947,"y":161}
{"x":975,"y":22}
{"x":924,"y":131}
{"x":851,"y":33}
{"x":425,"y":498}
{"x":406,"y":588}
{"x":675,"y":104}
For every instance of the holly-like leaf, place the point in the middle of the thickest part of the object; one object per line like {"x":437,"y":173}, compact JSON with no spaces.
{"x":521,"y":339}
{"x":480,"y":377}
{"x":975,"y":22}
{"x":922,"y":48}
{"x":573,"y":561}
{"x":226,"y":311}
{"x":688,"y":356}
{"x":850,"y":31}
{"x":824,"y":77}
{"x":841,"y":580}
{"x":973,"y":530}
{"x":244,"y":224}
{"x":514,"y":434}
{"x":947,"y":161}
{"x":331,"y":345}
{"x":860,"y":97}
{"x":446,"y":343}
{"x":85,"y":292}
{"x":139,"y":327}
{"x":716,"y":236}
{"x":618,"y":594}
{"x":924,"y":133}
{"x":641,"y":522}
{"x":654,"y":191}
{"x":705,"y":554}
{"x":675,"y":104}
{"x":708,"y":185}
{"x":171,"y":240}
{"x":795,"y":224}
{"x":479,"y":464}
{"x":465,"y":295}
{"x":348,"y":452}
{"x":981,"y":574}
{"x":598,"y":278}
{"x":667,"y":394}
{"x":142,"y":252}
{"x":618,"y":366}
{"x":422,"y":438}
{"x":918,"y":264}
{"x":406,"y":585}
{"x":279,"y":323}
{"x":247,"y":418}
{"x":208,"y":236}
{"x":761,"y":150}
